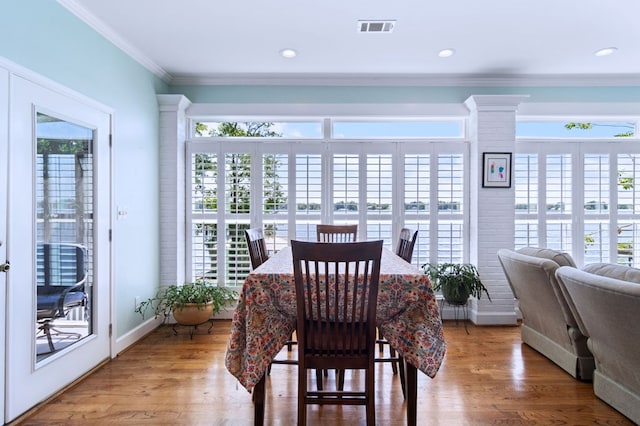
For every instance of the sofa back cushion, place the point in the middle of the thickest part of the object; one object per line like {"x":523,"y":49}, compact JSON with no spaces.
{"x":560,"y":257}
{"x":611,"y":270}
{"x":607,"y":312}
{"x":533,"y":282}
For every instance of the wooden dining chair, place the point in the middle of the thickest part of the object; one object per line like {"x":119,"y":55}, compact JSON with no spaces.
{"x":336,"y":297}
{"x":336,"y":233}
{"x":406,"y":242}
{"x":404,"y":249}
{"x":258,"y":254}
{"x":257,"y":246}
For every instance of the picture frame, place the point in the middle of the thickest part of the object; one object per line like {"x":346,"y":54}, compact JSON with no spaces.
{"x":496,"y":170}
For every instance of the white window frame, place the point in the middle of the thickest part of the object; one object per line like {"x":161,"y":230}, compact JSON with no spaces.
{"x":326,"y":147}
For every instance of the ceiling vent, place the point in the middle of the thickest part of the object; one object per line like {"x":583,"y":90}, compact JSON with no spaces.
{"x":376,"y":26}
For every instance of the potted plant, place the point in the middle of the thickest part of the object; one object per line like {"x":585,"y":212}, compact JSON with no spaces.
{"x":457,"y":281}
{"x":190,"y":303}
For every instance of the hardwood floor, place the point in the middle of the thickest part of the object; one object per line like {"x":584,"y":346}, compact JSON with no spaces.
{"x":488,"y":377}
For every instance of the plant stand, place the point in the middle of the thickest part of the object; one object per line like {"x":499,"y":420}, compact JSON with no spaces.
{"x":458,"y":308}
{"x":192,"y":327}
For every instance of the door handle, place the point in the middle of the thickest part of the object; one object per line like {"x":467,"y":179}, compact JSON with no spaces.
{"x":4,"y":267}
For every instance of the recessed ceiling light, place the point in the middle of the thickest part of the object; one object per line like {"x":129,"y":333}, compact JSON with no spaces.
{"x":606,"y":51}
{"x":288,"y":53}
{"x":445,"y":53}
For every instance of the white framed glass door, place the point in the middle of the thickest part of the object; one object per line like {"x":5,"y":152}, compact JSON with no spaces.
{"x":58,"y":293}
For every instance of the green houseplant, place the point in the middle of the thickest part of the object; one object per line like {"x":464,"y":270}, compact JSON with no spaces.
{"x":190,"y":303}
{"x":457,"y":281}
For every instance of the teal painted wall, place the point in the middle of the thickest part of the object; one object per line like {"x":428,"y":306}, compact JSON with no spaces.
{"x":44,"y":37}
{"x":365,"y":94}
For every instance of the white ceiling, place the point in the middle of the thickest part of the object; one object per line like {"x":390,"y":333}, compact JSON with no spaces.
{"x":199,"y":41}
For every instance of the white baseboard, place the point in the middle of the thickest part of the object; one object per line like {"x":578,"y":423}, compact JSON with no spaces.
{"x":225,"y":313}
{"x":451,"y":312}
{"x":134,"y":335}
{"x":151,"y":324}
{"x":494,"y":318}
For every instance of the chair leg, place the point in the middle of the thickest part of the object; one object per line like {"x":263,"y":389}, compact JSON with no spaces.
{"x":403,"y":377}
{"x":380,"y":341}
{"x":371,"y":400}
{"x":258,"y":403}
{"x":318,"y":379}
{"x":302,"y":394}
{"x":340,"y":384}
{"x":46,"y":328}
{"x":394,"y":364}
{"x":49,"y":331}
{"x":290,"y":343}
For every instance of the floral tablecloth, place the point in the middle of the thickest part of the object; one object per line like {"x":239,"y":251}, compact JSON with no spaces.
{"x":265,"y":317}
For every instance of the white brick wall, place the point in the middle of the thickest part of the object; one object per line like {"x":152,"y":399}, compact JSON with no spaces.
{"x":172,"y":188}
{"x":492,"y":214}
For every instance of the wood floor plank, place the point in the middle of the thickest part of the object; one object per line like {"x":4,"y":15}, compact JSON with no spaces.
{"x":488,"y":377}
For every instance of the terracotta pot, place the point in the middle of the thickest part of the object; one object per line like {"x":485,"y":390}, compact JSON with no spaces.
{"x":193,"y":313}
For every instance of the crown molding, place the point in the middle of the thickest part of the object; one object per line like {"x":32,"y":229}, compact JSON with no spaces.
{"x":107,"y":32}
{"x":427,"y":80}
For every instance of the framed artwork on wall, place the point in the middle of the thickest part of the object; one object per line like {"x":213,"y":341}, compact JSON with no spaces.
{"x":496,"y":170}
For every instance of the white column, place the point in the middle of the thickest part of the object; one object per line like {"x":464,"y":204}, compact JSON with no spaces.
{"x":492,"y":129}
{"x":173,"y":133}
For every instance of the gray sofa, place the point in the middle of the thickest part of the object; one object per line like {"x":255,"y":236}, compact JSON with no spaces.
{"x":548,"y":324}
{"x":605,"y":300}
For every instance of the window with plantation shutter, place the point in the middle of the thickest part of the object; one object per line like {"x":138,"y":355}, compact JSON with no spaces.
{"x":287,"y":187}
{"x":628,"y":192}
{"x":379,"y":194}
{"x":203,"y":224}
{"x":417,"y":202}
{"x":558,"y":202}
{"x":237,"y":219}
{"x":450,"y":208}
{"x":275,"y":200}
{"x":579,"y":196}
{"x":345,"y":187}
{"x":596,"y":208}
{"x":526,"y":184}
{"x":308,"y":204}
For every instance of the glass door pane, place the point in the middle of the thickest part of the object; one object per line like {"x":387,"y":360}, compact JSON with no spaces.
{"x":64,"y":234}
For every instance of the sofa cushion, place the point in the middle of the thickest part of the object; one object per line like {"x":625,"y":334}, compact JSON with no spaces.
{"x":548,"y":324}
{"x":612,"y":270}
{"x":560,"y":257}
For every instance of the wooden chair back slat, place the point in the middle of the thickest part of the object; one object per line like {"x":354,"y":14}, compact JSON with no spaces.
{"x":336,"y":233}
{"x":257,"y":246}
{"x":406,"y":243}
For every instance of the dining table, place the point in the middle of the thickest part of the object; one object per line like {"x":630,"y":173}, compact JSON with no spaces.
{"x":265,"y":317}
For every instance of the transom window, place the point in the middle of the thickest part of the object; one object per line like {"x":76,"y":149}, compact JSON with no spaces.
{"x":576,"y":129}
